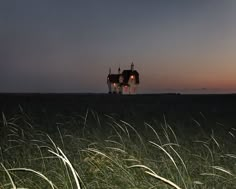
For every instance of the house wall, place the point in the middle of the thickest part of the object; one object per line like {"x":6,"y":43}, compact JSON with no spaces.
{"x":109,"y":86}
{"x":120,"y":89}
{"x":129,"y":89}
{"x":133,"y":89}
{"x":125,"y":90}
{"x":115,"y":88}
{"x":132,"y":85}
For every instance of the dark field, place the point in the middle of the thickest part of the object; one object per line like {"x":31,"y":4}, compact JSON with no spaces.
{"x":145,"y":107}
{"x":114,"y":141}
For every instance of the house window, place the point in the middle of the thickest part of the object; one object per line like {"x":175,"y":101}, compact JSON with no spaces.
{"x":126,"y":88}
{"x":132,"y":77}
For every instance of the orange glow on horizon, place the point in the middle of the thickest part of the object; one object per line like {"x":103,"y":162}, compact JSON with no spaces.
{"x":219,"y":82}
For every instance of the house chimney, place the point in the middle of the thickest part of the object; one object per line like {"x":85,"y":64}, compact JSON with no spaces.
{"x":132,"y":66}
{"x":119,"y":70}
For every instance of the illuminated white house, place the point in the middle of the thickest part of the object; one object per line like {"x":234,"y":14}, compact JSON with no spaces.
{"x":123,"y":83}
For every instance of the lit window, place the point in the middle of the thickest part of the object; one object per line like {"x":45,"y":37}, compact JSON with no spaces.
{"x":132,"y":77}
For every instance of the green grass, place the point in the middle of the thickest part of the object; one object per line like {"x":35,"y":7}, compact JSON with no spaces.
{"x":103,"y":151}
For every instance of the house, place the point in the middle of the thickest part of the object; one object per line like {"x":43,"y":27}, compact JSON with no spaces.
{"x":123,"y":83}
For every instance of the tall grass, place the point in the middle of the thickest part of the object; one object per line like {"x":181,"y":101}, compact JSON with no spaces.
{"x":92,"y":151}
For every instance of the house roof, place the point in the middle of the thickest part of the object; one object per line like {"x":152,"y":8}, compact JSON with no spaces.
{"x":127,"y":73}
{"x":114,"y":78}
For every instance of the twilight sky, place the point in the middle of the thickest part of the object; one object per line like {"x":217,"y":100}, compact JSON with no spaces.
{"x":69,"y":46}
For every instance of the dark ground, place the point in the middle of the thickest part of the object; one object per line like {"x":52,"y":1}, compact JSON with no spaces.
{"x":220,"y":108}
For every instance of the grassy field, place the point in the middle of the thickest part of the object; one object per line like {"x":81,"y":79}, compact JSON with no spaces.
{"x":108,"y":141}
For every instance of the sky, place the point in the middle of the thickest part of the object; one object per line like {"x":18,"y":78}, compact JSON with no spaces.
{"x":68,"y":46}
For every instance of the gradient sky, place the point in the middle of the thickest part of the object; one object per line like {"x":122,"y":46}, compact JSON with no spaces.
{"x":69,"y":46}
